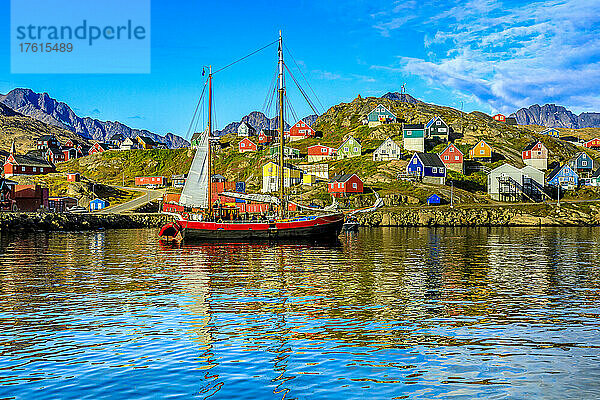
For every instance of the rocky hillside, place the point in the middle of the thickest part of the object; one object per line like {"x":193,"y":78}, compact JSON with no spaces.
{"x":258,"y":120}
{"x":404,"y":97}
{"x":553,"y":116}
{"x":44,"y":108}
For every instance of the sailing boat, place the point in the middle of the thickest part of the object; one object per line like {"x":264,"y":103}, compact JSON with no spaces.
{"x":206,"y":221}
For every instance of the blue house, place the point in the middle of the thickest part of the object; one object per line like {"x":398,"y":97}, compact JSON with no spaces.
{"x":434,"y":199}
{"x":551,"y":132}
{"x":428,"y":167}
{"x":582,"y":164}
{"x":380,"y":115}
{"x":563,"y":176}
{"x":98,"y":204}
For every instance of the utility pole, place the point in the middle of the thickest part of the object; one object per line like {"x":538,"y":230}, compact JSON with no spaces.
{"x":452,"y":194}
{"x":558,"y":191}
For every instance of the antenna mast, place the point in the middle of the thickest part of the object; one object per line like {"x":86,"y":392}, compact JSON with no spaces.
{"x":281,"y":95}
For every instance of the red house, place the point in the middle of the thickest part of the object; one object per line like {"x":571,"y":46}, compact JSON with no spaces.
{"x":267,"y":136}
{"x":593,"y":144}
{"x":70,"y":153}
{"x":452,"y":158}
{"x":71,"y":143}
{"x":301,"y":130}
{"x":24,"y":165}
{"x":98,"y":148}
{"x":345,"y":185}
{"x":500,"y":118}
{"x":150,"y":181}
{"x":247,"y":145}
{"x":318,"y":152}
{"x":73,"y":177}
{"x":55,"y":155}
{"x":31,"y":197}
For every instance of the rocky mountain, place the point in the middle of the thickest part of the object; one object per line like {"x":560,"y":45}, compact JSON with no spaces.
{"x":403,"y":97}
{"x":258,"y":120}
{"x":46,"y":109}
{"x":554,"y":116}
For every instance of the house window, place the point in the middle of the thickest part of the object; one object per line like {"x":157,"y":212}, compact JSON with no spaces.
{"x":584,"y":163}
{"x":415,"y":161}
{"x":456,"y":158}
{"x":434,"y":170}
{"x":441,"y":170}
{"x":23,"y":169}
{"x":354,"y":186}
{"x":446,"y":157}
{"x":438,"y":122}
{"x":481,"y":151}
{"x":243,"y":145}
{"x":345,"y":149}
{"x":451,"y":149}
{"x":34,"y":169}
{"x":41,"y":169}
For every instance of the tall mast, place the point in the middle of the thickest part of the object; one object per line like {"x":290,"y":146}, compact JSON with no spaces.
{"x":209,"y":134}
{"x":281,"y":95}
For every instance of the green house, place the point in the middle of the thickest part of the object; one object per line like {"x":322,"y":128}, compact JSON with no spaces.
{"x":350,"y":148}
{"x":288,"y":152}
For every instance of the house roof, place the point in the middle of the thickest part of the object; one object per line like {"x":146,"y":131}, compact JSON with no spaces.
{"x":147,"y":140}
{"x":47,"y":137}
{"x":381,"y":105}
{"x":342,"y":178}
{"x":413,"y":126}
{"x":532,"y":145}
{"x":557,"y":169}
{"x":244,"y":123}
{"x":453,"y":145}
{"x":54,"y":150}
{"x":117,"y":136}
{"x":432,"y":120}
{"x":430,"y":159}
{"x":347,"y":140}
{"x":28,"y":161}
{"x":596,"y":173}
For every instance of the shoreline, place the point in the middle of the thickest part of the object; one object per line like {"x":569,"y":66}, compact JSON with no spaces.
{"x":569,"y":214}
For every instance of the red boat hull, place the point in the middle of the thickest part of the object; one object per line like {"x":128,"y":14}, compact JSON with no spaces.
{"x":324,"y":227}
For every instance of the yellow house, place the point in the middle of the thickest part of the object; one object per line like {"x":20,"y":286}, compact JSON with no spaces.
{"x":309,"y":179}
{"x":292,"y":175}
{"x":481,"y":151}
{"x":145,"y":142}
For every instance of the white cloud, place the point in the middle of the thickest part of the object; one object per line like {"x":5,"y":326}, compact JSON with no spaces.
{"x":541,"y":52}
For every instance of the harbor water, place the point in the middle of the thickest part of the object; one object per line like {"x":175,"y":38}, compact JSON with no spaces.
{"x":386,"y":313}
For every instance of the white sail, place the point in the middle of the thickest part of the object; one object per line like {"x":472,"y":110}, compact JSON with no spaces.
{"x":195,"y":191}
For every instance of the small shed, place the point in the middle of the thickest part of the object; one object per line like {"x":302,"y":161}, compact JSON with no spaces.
{"x":98,"y":204}
{"x":434,"y":199}
{"x":73,"y":177}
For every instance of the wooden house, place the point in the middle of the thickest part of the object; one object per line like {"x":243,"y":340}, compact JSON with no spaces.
{"x":292,"y":175}
{"x":499,"y":118}
{"x":146,"y":142}
{"x":595,"y":178}
{"x":535,"y":154}
{"x":434,"y":199}
{"x":288,"y":152}
{"x":563,"y":176}
{"x":320,"y":171}
{"x":31,"y":197}
{"x":345,"y":185}
{"x":319,"y":152}
{"x":130,"y":144}
{"x":301,"y":130}
{"x":98,"y":204}
{"x":16,"y":164}
{"x":593,"y":144}
{"x":582,"y":164}
{"x":246,"y":145}
{"x":245,"y":129}
{"x":380,"y":115}
{"x":70,"y":153}
{"x":116,"y":140}
{"x":61,"y":204}
{"x":453,"y":158}
{"x":350,"y":148}
{"x":509,"y":183}
{"x":150,"y":181}
{"x":551,"y":132}
{"x":71,"y":143}
{"x":388,"y":150}
{"x":99,"y":148}
{"x":47,"y":141}
{"x":428,"y":167}
{"x":54,"y":155}
{"x":481,"y":152}
{"x":73,"y":177}
{"x":414,"y":137}
{"x":267,"y":136}
{"x":436,"y":128}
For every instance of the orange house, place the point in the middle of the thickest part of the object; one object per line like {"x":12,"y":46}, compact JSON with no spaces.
{"x":301,"y":130}
{"x":246,"y":145}
{"x":482,"y":151}
{"x":500,"y":118}
{"x":452,"y":158}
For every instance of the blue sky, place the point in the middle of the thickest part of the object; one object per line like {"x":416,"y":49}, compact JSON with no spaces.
{"x":491,"y":56}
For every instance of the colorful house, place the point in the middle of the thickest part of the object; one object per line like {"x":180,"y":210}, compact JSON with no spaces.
{"x":98,"y":204}
{"x":246,"y":145}
{"x":499,"y":118}
{"x":582,"y":164}
{"x":267,"y":135}
{"x":434,"y":199}
{"x":453,"y":158}
{"x":481,"y":152}
{"x":73,"y":177}
{"x":301,"y":130}
{"x":318,"y":152}
{"x":288,"y":152}
{"x":54,"y":155}
{"x":99,"y":148}
{"x":150,"y":181}
{"x":509,"y":183}
{"x":414,"y":137}
{"x":350,"y":148}
{"x":308,"y":179}
{"x":292,"y":175}
{"x":146,"y":142}
{"x":116,"y":139}
{"x":595,"y":178}
{"x":70,"y":153}
{"x":245,"y":129}
{"x":593,"y":144}
{"x":16,"y":164}
{"x":563,"y":176}
{"x":345,"y":185}
{"x":436,"y":128}
{"x":428,"y":167}
{"x":380,"y":115}
{"x":47,"y":141}
{"x":535,"y":154}
{"x":551,"y":132}
{"x":321,"y":171}
{"x":388,"y":150}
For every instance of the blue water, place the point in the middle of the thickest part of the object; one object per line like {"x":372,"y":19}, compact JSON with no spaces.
{"x":386,"y":314}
